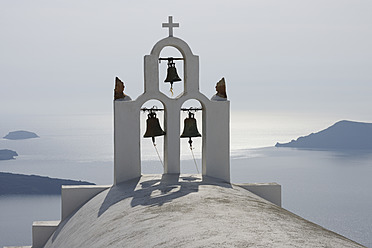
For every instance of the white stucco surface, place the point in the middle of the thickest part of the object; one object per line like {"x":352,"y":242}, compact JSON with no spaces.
{"x":269,"y":191}
{"x":168,"y":211}
{"x":41,"y":231}
{"x":215,"y":119}
{"x":28,"y":246}
{"x":74,"y":196}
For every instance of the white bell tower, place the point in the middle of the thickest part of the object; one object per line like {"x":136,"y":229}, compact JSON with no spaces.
{"x":216,"y":119}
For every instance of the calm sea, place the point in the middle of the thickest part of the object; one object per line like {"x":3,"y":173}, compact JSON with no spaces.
{"x":330,"y":188}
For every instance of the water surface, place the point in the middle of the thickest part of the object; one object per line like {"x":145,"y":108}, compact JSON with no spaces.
{"x":330,"y":188}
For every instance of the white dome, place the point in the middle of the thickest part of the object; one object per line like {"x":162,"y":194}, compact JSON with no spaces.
{"x":187,"y":212}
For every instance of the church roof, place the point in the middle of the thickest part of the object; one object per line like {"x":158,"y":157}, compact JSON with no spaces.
{"x":186,"y":211}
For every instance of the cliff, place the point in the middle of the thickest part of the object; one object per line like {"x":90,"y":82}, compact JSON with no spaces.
{"x":342,"y":135}
{"x":6,"y":154}
{"x":17,"y":135}
{"x":11,"y":184}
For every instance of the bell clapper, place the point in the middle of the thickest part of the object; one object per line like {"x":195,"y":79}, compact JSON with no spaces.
{"x":190,"y":142}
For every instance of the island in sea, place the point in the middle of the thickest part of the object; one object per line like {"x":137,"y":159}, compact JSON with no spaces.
{"x":21,"y":134}
{"x":343,"y":135}
{"x":6,"y":154}
{"x":19,"y":184}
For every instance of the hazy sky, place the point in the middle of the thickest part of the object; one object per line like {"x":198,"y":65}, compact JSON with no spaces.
{"x":277,"y":56}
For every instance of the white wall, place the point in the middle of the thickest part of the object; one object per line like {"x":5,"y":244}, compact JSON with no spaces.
{"x":216,"y":121}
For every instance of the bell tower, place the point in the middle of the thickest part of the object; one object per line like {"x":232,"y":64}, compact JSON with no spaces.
{"x":216,"y":119}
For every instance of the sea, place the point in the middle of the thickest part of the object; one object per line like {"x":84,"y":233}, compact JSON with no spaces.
{"x":331,"y":188}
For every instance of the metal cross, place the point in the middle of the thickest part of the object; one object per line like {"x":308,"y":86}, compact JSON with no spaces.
{"x":170,"y":25}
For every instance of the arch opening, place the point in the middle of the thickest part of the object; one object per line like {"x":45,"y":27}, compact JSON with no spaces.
{"x":178,"y":86}
{"x":191,"y":159}
{"x":152,"y":157}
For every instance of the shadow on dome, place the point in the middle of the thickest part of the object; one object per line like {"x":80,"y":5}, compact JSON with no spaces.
{"x":156,"y":191}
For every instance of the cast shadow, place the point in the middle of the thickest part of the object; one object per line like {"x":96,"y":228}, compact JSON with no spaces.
{"x":157,"y":192}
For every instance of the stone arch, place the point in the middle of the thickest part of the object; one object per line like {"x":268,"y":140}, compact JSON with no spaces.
{"x":191,"y":65}
{"x":187,"y":164}
{"x":177,"y":43}
{"x":146,"y":147}
{"x":142,"y":99}
{"x":177,"y":87}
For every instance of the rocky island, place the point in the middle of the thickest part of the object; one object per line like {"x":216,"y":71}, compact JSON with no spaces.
{"x":6,"y":154}
{"x":18,"y":184}
{"x":19,"y":135}
{"x":343,"y":135}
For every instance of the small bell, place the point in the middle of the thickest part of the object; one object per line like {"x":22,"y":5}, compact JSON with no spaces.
{"x":153,"y":128}
{"x":172,"y":75}
{"x":190,"y":128}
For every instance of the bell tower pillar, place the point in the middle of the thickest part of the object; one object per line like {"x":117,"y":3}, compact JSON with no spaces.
{"x":216,"y":119}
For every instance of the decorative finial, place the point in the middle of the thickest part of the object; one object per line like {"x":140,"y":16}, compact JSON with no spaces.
{"x":170,"y":25}
{"x":119,"y":91}
{"x":221,"y":91}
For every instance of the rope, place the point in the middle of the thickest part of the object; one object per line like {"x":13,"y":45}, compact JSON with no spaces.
{"x":156,"y":149}
{"x":171,"y":90}
{"x":196,"y":165}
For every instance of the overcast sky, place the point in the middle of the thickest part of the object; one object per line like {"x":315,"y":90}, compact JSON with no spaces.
{"x":276,"y":56}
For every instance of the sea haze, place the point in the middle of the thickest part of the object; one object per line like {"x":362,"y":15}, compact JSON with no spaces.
{"x":330,"y":188}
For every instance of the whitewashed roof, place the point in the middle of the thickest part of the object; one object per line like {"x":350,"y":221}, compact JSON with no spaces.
{"x":187,"y":212}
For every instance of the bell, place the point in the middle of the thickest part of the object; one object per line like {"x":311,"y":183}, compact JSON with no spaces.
{"x":190,"y":129}
{"x":153,"y":128}
{"x":172,"y":75}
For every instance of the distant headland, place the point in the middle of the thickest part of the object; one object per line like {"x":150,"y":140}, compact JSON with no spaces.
{"x":343,"y":135}
{"x":6,"y":154}
{"x":19,"y":135}
{"x":18,"y":184}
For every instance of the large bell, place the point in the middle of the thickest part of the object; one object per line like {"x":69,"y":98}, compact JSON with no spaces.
{"x":190,"y":128}
{"x":172,"y":75}
{"x":153,"y":128}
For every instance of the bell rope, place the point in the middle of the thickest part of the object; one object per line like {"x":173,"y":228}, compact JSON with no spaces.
{"x":156,"y":149}
{"x":196,"y":165}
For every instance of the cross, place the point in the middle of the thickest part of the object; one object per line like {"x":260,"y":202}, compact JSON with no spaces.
{"x":170,"y":25}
